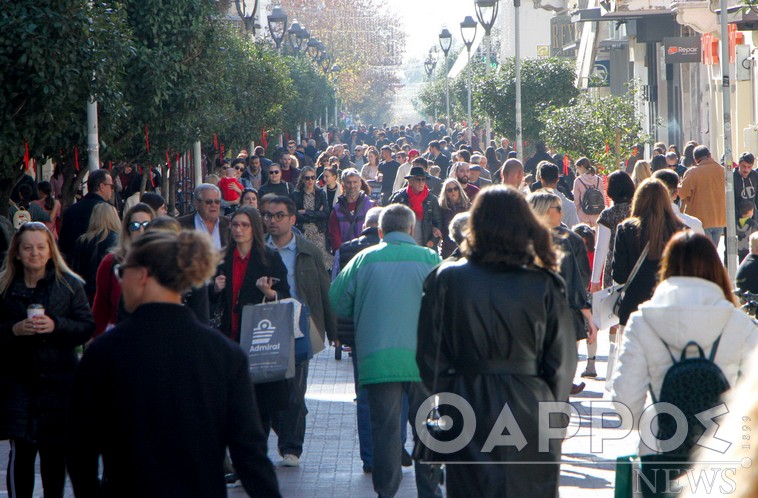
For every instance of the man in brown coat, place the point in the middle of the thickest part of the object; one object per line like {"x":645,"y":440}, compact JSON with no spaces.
{"x":703,"y":193}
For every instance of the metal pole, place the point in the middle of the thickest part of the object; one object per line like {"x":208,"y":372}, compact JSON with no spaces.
{"x":468,"y":85}
{"x":726,"y":90}
{"x":447,"y":95}
{"x":336,"y":116}
{"x":488,"y":124}
{"x":519,"y":137}
{"x":197,"y":154}
{"x":93,"y":145}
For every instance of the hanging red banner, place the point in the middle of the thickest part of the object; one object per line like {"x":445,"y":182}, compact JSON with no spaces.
{"x":147,"y":139}
{"x":26,"y":156}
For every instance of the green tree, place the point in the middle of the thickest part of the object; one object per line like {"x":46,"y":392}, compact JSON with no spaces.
{"x":49,"y":53}
{"x":545,"y":83}
{"x":603,"y":129}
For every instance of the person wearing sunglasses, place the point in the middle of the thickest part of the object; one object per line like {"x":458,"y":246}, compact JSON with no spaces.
{"x":275,"y":183}
{"x":547,"y":206}
{"x":171,"y":394}
{"x":207,"y":218}
{"x":106,"y":304}
{"x":453,"y":201}
{"x":312,"y":212}
{"x":38,"y":357}
{"x":423,"y":203}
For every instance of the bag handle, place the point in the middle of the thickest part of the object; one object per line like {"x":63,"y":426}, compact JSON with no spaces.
{"x":637,"y":267}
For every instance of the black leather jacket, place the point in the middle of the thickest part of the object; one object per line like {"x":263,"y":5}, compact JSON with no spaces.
{"x":319,"y":215}
{"x":432,"y":216}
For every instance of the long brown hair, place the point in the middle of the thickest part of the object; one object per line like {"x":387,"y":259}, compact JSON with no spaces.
{"x":125,"y":237}
{"x":259,"y":244}
{"x":690,"y":254}
{"x":653,"y":216}
{"x":14,"y":266}
{"x":463,"y":200}
{"x":517,"y":239}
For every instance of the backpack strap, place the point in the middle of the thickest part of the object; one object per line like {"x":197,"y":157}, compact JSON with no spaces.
{"x":714,"y":348}
{"x":580,"y":181}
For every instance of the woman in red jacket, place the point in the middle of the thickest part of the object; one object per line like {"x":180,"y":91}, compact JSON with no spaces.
{"x":107,"y":307}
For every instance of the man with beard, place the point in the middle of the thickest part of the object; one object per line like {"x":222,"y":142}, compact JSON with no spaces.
{"x":745,"y":182}
{"x":462,"y":171}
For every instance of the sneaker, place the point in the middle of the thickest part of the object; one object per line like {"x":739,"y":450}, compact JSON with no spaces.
{"x":232,"y":481}
{"x":577,"y":388}
{"x":290,"y":461}
{"x":405,"y":459}
{"x":589,"y":372}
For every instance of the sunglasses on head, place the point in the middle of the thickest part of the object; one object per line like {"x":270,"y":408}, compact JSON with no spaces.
{"x":135,"y":226}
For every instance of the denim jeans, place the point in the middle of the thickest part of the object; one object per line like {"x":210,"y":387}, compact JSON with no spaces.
{"x":363,"y":414}
{"x":385,"y":402}
{"x":289,"y":424}
{"x":715,"y":234}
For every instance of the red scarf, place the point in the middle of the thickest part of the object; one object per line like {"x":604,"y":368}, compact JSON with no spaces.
{"x":416,"y":201}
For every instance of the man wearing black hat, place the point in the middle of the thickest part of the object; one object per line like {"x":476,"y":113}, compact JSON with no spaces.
{"x":423,"y":203}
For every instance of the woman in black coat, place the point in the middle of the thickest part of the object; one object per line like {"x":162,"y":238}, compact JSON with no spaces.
{"x":495,"y":328}
{"x":38,"y":357}
{"x":264,"y":277}
{"x":652,"y":222}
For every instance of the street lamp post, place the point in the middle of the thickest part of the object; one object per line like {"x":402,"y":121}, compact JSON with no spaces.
{"x":486,"y":12}
{"x":429,"y":64}
{"x":446,"y":40}
{"x":517,"y":30}
{"x":247,"y":14}
{"x":294,"y":37}
{"x":277,"y":25}
{"x":468,"y":33}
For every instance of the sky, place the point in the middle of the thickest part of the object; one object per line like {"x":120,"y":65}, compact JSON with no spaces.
{"x":424,"y":19}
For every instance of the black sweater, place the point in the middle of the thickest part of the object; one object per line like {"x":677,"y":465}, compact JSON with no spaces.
{"x":160,"y":397}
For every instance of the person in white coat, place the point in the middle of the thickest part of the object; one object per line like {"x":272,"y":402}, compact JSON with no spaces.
{"x":693,"y":302}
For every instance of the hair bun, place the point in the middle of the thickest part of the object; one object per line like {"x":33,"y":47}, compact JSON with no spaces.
{"x":196,"y":258}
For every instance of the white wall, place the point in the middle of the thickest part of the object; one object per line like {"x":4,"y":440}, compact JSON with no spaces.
{"x":534,"y":24}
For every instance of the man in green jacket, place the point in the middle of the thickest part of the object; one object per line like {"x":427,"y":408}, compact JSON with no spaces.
{"x":380,"y":289}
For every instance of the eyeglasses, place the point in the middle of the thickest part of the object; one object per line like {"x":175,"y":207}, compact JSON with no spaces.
{"x":135,"y":226}
{"x":238,"y":168}
{"x":210,"y":202}
{"x":309,"y":178}
{"x":277,"y":216}
{"x":118,"y":270}
{"x":243,"y":225}
{"x":418,"y":179}
{"x":274,"y":172}
{"x":108,"y":185}
{"x":557,"y":208}
{"x":451,"y":190}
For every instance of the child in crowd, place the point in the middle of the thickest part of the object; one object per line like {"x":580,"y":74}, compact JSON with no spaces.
{"x":230,"y":187}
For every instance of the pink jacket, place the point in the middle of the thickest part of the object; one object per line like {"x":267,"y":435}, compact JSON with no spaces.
{"x":579,"y":189}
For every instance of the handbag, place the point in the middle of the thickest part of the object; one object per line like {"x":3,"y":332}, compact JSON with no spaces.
{"x":606,"y":302}
{"x":624,"y":482}
{"x":267,"y":335}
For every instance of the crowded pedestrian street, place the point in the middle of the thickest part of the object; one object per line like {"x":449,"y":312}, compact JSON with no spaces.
{"x":331,"y":464}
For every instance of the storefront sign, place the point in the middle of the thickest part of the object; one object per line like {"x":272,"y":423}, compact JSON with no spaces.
{"x":682,"y":49}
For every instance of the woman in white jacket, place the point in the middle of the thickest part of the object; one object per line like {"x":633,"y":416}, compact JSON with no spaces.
{"x":693,"y":302}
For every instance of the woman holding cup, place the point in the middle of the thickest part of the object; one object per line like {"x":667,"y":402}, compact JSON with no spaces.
{"x":44,"y":316}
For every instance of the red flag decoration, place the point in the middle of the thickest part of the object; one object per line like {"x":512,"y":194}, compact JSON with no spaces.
{"x":566,"y":164}
{"x":168,"y":160}
{"x":215,"y":142}
{"x":110,"y":165}
{"x":147,"y":139}
{"x":264,"y":140}
{"x":26,"y":156}
{"x":76,"y":158}
{"x":221,"y":152}
{"x":607,"y":148}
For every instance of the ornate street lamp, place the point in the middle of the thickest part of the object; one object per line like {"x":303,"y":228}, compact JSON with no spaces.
{"x":429,"y":65}
{"x":468,"y":33}
{"x":446,"y":41}
{"x":277,"y":25}
{"x":303,"y":39}
{"x":313,"y":48}
{"x":247,"y":14}
{"x":325,"y":61}
{"x":292,"y":36}
{"x":486,"y":12}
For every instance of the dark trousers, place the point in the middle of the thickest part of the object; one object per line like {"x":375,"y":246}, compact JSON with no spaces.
{"x":385,"y":402}
{"x":289,"y":424}
{"x":20,"y":477}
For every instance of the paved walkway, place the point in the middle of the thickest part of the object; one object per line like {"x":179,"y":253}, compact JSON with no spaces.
{"x":331,"y":465}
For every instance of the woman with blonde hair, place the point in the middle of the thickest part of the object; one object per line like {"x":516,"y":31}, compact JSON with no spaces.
{"x":44,"y":317}
{"x":90,"y":249}
{"x":641,"y":172}
{"x":107,"y":306}
{"x":692,"y":303}
{"x":452,"y":201}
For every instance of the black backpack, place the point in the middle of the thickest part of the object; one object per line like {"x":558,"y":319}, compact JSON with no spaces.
{"x":593,"y":201}
{"x":693,"y":385}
